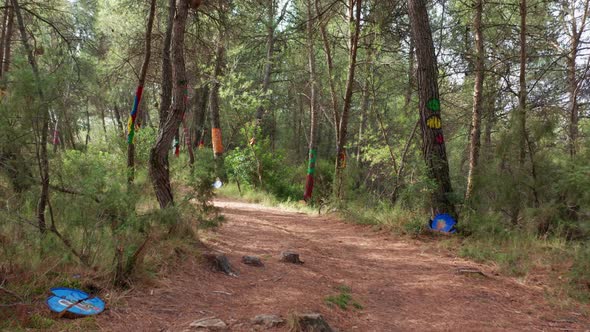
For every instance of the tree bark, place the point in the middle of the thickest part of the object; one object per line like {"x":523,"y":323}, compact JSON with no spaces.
{"x":159,"y":171}
{"x":573,"y":81}
{"x":355,"y":29}
{"x":433,"y":145}
{"x":118,"y":119}
{"x":270,"y":41}
{"x":138,"y":94}
{"x":330,"y":66}
{"x":43,"y":131}
{"x":8,"y":42}
{"x":522,"y":92}
{"x":313,"y":132}
{"x":3,"y":33}
{"x":166,"y":97}
{"x":411,"y":77}
{"x":216,"y":135}
{"x":201,"y":103}
{"x":475,"y":135}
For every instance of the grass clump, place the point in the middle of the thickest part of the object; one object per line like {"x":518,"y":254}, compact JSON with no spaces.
{"x":344,"y":299}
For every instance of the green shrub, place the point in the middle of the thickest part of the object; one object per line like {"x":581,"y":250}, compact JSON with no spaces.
{"x":580,"y":274}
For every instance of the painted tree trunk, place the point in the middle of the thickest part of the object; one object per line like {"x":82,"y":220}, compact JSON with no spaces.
{"x":134,"y":112}
{"x":341,"y":155}
{"x":475,"y":134}
{"x":158,"y":168}
{"x":216,"y":137}
{"x":433,"y":145}
{"x":313,"y":132}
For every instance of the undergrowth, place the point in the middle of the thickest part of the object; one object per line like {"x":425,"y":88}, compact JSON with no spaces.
{"x":105,"y":236}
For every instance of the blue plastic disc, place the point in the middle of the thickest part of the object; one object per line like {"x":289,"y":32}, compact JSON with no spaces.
{"x":84,"y":304}
{"x":443,"y":223}
{"x":217,"y":184}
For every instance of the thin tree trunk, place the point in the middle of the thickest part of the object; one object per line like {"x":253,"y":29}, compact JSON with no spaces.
{"x":402,"y":163}
{"x":313,"y":132}
{"x":355,"y":29}
{"x":270,"y":41}
{"x":43,"y":131}
{"x":87,"y":124}
{"x":3,"y":33}
{"x":138,"y":94}
{"x":166,"y":98}
{"x":118,"y":118}
{"x":216,"y":134}
{"x":573,"y":81}
{"x":366,"y":94}
{"x":8,"y":42}
{"x":522,"y":93}
{"x":433,"y":145}
{"x":475,"y":135}
{"x":490,"y":120}
{"x":159,"y":172}
{"x":330,"y":66}
{"x":201,"y":102}
{"x":411,"y":77}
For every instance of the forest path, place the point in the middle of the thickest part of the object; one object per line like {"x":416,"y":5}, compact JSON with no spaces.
{"x":401,"y":285}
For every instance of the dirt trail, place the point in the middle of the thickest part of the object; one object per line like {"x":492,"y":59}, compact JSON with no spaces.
{"x":401,"y":286}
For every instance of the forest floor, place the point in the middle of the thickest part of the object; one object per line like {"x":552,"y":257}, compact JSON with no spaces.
{"x":401,"y":284}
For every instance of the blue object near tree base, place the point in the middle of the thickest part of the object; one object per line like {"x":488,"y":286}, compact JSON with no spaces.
{"x":217,"y":184}
{"x":74,"y":301}
{"x":443,"y":222}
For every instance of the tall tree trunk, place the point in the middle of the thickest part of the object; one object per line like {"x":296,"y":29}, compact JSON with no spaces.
{"x":313,"y":132}
{"x":522,"y":92}
{"x":411,"y":77}
{"x":355,"y":29}
{"x":201,"y":103}
{"x":491,"y":93}
{"x":104,"y":124}
{"x":330,"y":66}
{"x":87,"y":125}
{"x":138,"y":94}
{"x":43,"y":131}
{"x":8,"y":42}
{"x":573,"y":81}
{"x":117,"y":114}
{"x":159,"y":171}
{"x":475,"y":135}
{"x":433,"y":145}
{"x":4,"y":23}
{"x":270,"y":41}
{"x":365,"y":93}
{"x":166,"y":97}
{"x":216,"y":137}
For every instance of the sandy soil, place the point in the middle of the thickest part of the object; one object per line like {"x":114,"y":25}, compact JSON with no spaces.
{"x":401,"y":285}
